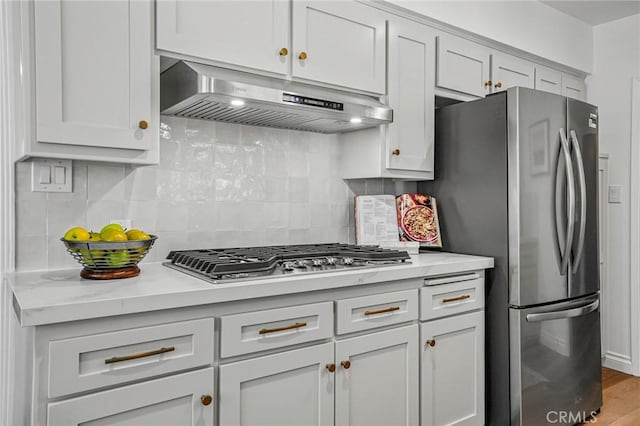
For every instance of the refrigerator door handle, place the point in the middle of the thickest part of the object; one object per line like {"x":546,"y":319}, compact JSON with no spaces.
{"x":563,"y":314}
{"x":571,"y":202}
{"x":582,"y":183}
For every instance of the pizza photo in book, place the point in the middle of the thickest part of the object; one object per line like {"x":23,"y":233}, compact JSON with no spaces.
{"x":417,"y":216}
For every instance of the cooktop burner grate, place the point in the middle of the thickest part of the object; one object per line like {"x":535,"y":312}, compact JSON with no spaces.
{"x":239,"y":262}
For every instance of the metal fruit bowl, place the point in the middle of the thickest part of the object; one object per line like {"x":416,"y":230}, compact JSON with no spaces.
{"x":109,"y":256}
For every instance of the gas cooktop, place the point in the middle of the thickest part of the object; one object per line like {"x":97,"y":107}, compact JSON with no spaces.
{"x":247,"y":263}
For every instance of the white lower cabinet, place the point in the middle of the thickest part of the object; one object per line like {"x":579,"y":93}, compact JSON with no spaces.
{"x":373,"y":380}
{"x":452,"y":370}
{"x":377,"y":379}
{"x":291,"y":388}
{"x":184,"y":399}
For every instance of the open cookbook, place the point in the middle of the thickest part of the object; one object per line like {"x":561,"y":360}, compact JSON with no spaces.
{"x":384,"y":219}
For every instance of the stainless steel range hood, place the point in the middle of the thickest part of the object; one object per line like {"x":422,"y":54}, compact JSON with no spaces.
{"x":200,"y":91}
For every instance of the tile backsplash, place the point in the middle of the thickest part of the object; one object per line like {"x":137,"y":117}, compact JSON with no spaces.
{"x":217,"y":185}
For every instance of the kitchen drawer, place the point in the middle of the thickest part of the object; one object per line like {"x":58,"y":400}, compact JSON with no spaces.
{"x":172,"y":400}
{"x":451,"y":295}
{"x":378,"y":310}
{"x":93,"y":361}
{"x":275,"y":328}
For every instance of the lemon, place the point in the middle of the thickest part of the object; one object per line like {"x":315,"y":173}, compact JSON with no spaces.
{"x":77,"y":234}
{"x":112,"y":226}
{"x":137,"y":234}
{"x":113,"y":234}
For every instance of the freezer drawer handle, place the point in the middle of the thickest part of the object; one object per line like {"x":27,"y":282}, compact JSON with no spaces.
{"x":455,"y":299}
{"x":569,"y":313}
{"x":140,"y":355}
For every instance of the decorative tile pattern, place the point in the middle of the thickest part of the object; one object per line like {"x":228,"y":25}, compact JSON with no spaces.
{"x":217,"y":185}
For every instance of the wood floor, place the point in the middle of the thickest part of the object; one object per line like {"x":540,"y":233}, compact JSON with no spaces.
{"x":621,"y":394}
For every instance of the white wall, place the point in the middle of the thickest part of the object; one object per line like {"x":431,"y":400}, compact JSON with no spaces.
{"x":616,"y":47}
{"x":528,"y":25}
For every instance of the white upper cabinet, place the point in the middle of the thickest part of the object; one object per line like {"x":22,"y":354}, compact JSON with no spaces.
{"x":574,"y":87}
{"x":509,"y":71}
{"x":402,"y":149}
{"x":410,"y":89}
{"x":94,"y":67}
{"x":341,"y":43}
{"x":463,"y":66}
{"x":548,"y":80}
{"x":337,"y":43}
{"x":252,"y":34}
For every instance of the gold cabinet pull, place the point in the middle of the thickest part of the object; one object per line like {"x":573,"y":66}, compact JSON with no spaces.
{"x":498,"y":85}
{"x":431,"y":342}
{"x":286,"y":327}
{"x":302,"y":56}
{"x":284,"y":51}
{"x":488,"y":83}
{"x":143,"y":124}
{"x":139,"y":355}
{"x":331,"y":367}
{"x":206,"y":399}
{"x":455,"y":299}
{"x":395,"y":152}
{"x":346,"y":364}
{"x":382,"y":311}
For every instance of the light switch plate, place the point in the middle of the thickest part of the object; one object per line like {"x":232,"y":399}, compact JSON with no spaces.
{"x":50,"y":175}
{"x":615,"y":194}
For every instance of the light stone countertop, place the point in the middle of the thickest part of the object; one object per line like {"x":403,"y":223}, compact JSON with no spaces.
{"x":46,"y":297}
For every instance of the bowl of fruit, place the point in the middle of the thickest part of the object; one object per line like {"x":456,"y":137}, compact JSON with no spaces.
{"x":112,"y":253}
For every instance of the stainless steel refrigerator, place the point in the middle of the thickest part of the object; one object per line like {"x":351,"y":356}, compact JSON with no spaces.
{"x":516,"y":178}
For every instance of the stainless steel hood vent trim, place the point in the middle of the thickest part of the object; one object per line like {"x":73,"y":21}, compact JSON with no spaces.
{"x":204,"y":92}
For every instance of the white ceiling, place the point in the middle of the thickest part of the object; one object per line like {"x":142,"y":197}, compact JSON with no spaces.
{"x":596,"y":12}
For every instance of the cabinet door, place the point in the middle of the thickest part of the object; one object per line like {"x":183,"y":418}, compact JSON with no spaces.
{"x":452,"y":370}
{"x":463,"y":66}
{"x":246,"y":33}
{"x":173,"y":400}
{"x":548,"y":80}
{"x":293,"y":388}
{"x":379,"y":386}
{"x":509,"y":71}
{"x":94,"y":83}
{"x":411,"y":78}
{"x":343,"y":44}
{"x":573,"y":87}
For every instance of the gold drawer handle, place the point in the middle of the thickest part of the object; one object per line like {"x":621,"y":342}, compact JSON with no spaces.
{"x":331,"y":367}
{"x":488,"y":83}
{"x":302,"y":56}
{"x":455,"y":299}
{"x":284,"y":51}
{"x":143,"y":124}
{"x":206,"y":399}
{"x":140,"y":355}
{"x":287,"y":327}
{"x":346,"y":364}
{"x":431,"y":342}
{"x":395,"y":152}
{"x":498,"y":85}
{"x":383,"y":311}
